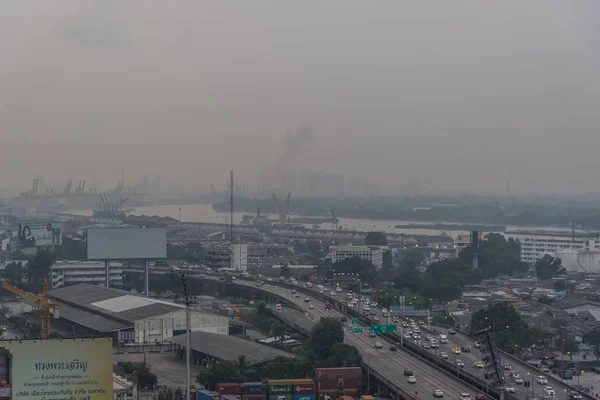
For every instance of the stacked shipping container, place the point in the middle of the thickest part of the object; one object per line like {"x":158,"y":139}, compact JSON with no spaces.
{"x":332,"y":382}
{"x":206,"y":395}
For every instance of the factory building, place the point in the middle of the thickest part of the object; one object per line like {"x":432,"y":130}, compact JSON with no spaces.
{"x":369,"y":253}
{"x":128,"y":318}
{"x":534,"y":248}
{"x":73,"y":272}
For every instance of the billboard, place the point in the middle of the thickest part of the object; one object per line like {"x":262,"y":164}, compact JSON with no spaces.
{"x":61,"y":369}
{"x":40,"y":235}
{"x":126,"y":243}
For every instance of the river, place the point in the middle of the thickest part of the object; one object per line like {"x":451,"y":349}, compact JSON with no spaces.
{"x":205,"y":213}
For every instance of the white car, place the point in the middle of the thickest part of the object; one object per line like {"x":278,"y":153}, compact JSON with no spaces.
{"x":319,"y":287}
{"x":518,"y":381}
{"x":311,"y":306}
{"x":544,"y":368}
{"x":338,"y":289}
{"x":378,"y":345}
{"x":412,"y":379}
{"x":549,"y":391}
{"x":366,"y":308}
{"x":509,"y":389}
{"x":465,"y":396}
{"x":444,"y":355}
{"x":332,"y":294}
{"x":542,"y":380}
{"x":438,"y":393}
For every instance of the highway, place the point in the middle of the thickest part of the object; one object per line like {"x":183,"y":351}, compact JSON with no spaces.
{"x":389,"y":364}
{"x":526,"y":373}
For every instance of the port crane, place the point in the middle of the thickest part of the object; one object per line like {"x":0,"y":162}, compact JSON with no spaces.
{"x":48,"y":309}
{"x":283,"y":213}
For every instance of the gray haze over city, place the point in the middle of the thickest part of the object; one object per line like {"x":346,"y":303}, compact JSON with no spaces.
{"x":456,"y":96}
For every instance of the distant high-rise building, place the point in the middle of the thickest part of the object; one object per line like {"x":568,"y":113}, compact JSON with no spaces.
{"x":354,"y":187}
{"x":316,"y":183}
{"x":155,"y":184}
{"x":288,"y":182}
{"x":304,"y":183}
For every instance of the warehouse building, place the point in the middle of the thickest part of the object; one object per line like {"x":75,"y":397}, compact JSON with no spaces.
{"x":128,"y":318}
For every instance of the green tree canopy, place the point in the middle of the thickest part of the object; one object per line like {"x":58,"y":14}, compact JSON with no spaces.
{"x":497,"y":255}
{"x":13,"y":274}
{"x":376,"y":239}
{"x":343,"y":355}
{"x":356,"y":265}
{"x":549,"y":267}
{"x":324,"y":336}
{"x":38,"y":268}
{"x":507,"y":325}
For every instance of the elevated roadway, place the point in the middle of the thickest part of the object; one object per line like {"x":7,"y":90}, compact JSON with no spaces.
{"x":386,"y":365}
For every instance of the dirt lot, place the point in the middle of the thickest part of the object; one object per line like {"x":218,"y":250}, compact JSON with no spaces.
{"x":170,"y":370}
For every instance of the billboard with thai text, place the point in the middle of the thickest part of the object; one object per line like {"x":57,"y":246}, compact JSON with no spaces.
{"x":61,"y":369}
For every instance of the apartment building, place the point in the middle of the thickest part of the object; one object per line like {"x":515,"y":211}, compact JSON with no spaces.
{"x":534,"y":248}
{"x":74,"y":272}
{"x":369,"y":253}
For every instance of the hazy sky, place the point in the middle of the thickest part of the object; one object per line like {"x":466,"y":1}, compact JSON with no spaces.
{"x":457,"y":95}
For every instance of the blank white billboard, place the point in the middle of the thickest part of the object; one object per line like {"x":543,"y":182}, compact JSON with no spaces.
{"x":126,"y":243}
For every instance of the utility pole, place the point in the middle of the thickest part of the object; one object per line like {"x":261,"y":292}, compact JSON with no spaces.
{"x":186,"y":298}
{"x":231,"y":217}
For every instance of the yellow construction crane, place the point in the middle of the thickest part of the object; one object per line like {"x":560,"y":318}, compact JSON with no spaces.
{"x":48,"y":308}
{"x":283,"y":213}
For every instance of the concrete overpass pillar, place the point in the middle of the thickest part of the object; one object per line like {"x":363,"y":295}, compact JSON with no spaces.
{"x":147,"y":278}
{"x":107,"y":273}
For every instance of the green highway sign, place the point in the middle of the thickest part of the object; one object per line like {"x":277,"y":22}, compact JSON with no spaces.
{"x":354,"y":321}
{"x":383,"y":328}
{"x":357,"y":330}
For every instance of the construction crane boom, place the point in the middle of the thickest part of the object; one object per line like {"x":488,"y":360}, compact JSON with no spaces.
{"x":48,"y":308}
{"x":287,"y":207}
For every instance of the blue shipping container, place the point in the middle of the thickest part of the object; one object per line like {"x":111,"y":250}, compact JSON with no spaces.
{"x":205,"y":395}
{"x":305,"y":397}
{"x":255,"y":388}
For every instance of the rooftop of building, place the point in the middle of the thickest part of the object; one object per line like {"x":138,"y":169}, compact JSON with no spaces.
{"x":114,"y":304}
{"x":230,"y":348}
{"x":349,"y":247}
{"x":82,"y":264}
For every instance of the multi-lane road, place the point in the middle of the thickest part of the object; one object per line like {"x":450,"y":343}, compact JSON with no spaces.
{"x":387,"y":363}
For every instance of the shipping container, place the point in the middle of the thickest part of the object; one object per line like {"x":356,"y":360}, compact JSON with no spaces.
{"x":205,"y":395}
{"x":307,"y":396}
{"x":343,"y":373}
{"x":279,"y":389}
{"x":302,"y":386}
{"x":340,"y":383}
{"x":254,"y":388}
{"x":335,"y":393}
{"x":367,"y":397}
{"x":229,"y":388}
{"x":280,"y":397}
{"x":254,"y":397}
{"x":346,"y":398}
{"x":230,"y":397}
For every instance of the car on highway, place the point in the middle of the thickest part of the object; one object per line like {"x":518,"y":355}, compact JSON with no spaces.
{"x":519,"y":381}
{"x":451,"y":331}
{"x":438,"y":393}
{"x":416,"y":336}
{"x":294,"y":291}
{"x":542,"y":380}
{"x":465,"y":349}
{"x":426,"y":346}
{"x":480,"y":397}
{"x":412,"y":379}
{"x":393,"y":348}
{"x":404,"y":325}
{"x":435,"y":346}
{"x":366,"y":308}
{"x":372,"y":334}
{"x":259,"y":283}
{"x":332,"y":294}
{"x":509,"y":389}
{"x":478,"y":364}
{"x":338,"y":289}
{"x":575,"y":396}
{"x":444,"y":355}
{"x":311,"y":306}
{"x":544,"y":368}
{"x":328,"y":306}
{"x":455,"y":350}
{"x":507,"y":367}
{"x":278,"y":307}
{"x":460,"y":364}
{"x":464,"y":396}
{"x":549,"y":391}
{"x":408,"y":372}
{"x":378,"y":345}
{"x":306,"y":300}
{"x":297,"y":295}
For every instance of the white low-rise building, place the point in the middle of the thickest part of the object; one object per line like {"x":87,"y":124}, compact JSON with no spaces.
{"x":74,"y":272}
{"x":369,"y":253}
{"x":534,"y":248}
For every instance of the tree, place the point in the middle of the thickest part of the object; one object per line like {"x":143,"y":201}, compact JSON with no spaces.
{"x":560,"y":285}
{"x":343,"y":355}
{"x":285,"y":271}
{"x":593,"y":339}
{"x":376,"y":239}
{"x":38,"y":268}
{"x":283,"y":368}
{"x":545,"y":300}
{"x":497,"y":256}
{"x":13,"y":273}
{"x":168,"y":393}
{"x":223,"y":372}
{"x":508,"y":326}
{"x":569,"y":346}
{"x":365,"y":269}
{"x":387,"y":264}
{"x":324,"y":336}
{"x":549,"y":267}
{"x":141,"y":370}
{"x":242,"y":368}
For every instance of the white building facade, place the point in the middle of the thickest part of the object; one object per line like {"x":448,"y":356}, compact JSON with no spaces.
{"x":374,"y":254}
{"x":533,"y":249}
{"x":239,"y":262}
{"x":74,"y":272}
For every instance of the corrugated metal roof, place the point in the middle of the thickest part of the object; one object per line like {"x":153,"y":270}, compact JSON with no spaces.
{"x":230,"y":348}
{"x":113,"y":302}
{"x":92,"y":321}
